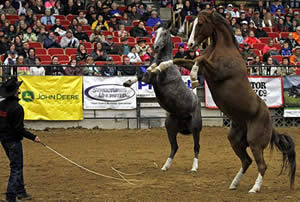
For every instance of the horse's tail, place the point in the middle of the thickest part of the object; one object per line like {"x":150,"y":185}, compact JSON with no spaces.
{"x":286,"y":145}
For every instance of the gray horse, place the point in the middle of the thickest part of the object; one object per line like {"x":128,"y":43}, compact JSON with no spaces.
{"x":174,"y":96}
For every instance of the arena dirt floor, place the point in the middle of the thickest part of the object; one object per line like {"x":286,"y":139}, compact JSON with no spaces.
{"x":48,"y":177}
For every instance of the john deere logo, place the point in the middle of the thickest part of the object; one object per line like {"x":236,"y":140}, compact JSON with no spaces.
{"x":28,"y":96}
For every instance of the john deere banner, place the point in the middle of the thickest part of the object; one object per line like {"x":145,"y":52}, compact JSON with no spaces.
{"x":146,"y":91}
{"x":51,"y":97}
{"x":291,"y":94}
{"x":108,"y":93}
{"x":268,"y":89}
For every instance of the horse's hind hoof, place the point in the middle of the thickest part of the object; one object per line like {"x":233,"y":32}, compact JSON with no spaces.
{"x":194,"y":170}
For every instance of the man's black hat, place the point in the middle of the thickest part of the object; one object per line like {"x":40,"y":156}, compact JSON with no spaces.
{"x":10,"y":87}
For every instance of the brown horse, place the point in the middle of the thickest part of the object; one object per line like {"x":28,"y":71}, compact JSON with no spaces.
{"x":226,"y":74}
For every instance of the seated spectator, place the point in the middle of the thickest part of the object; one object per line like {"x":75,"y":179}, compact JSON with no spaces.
{"x":122,"y":32}
{"x":270,"y":70}
{"x":79,"y":5}
{"x":297,"y":17}
{"x":251,"y":39}
{"x":270,"y":48}
{"x":70,"y":8}
{"x":73,"y":69}
{"x":109,"y":46}
{"x":80,"y":34}
{"x":8,"y":9}
{"x":277,"y":5}
{"x":100,"y":24}
{"x":74,"y":24}
{"x":291,"y":41}
{"x":91,"y":14}
{"x":11,"y":58}
{"x":256,"y":18}
{"x":114,"y":10}
{"x":181,"y":53}
{"x":134,"y":15}
{"x":37,"y":70}
{"x":109,"y":68}
{"x":296,"y":35}
{"x":243,"y":17}
{"x":38,"y":8}
{"x":190,"y":54}
{"x":294,"y":26}
{"x":153,"y":20}
{"x":147,"y":14}
{"x":22,"y":70}
{"x":30,"y":60}
{"x":187,"y":10}
{"x":29,"y":36}
{"x":69,"y":41}
{"x":254,"y":70}
{"x":12,"y":32}
{"x":21,"y":28}
{"x":127,"y":69}
{"x":228,"y":17}
{"x":99,"y":54}
{"x":245,"y":29}
{"x":285,"y":68}
{"x":38,"y":26}
{"x":295,"y":58}
{"x":18,"y":43}
{"x":280,"y":26}
{"x":238,"y":36}
{"x":55,"y":68}
{"x":125,"y":20}
{"x":3,"y":44}
{"x":12,"y":48}
{"x":124,"y":48}
{"x":268,"y":20}
{"x":288,"y":21}
{"x":105,"y":12}
{"x":51,"y":41}
{"x":90,"y":69}
{"x":25,"y":50}
{"x":81,"y":54}
{"x":134,"y":56}
{"x":247,"y":53}
{"x":150,"y":53}
{"x":139,"y":30}
{"x":230,"y":10}
{"x":260,"y":32}
{"x":141,"y":47}
{"x":50,"y":4}
{"x":42,"y":35}
{"x":285,"y":50}
{"x":48,"y":19}
{"x":277,"y":16}
{"x":81,"y":18}
{"x":57,"y":28}
{"x":113,"y":24}
{"x":58,"y":8}
{"x":97,"y":36}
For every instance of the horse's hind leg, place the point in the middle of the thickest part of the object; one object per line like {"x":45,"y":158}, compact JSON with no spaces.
{"x":171,"y":126}
{"x":196,"y":137}
{"x":238,"y":141}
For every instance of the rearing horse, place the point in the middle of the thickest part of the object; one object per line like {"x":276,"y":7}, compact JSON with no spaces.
{"x":226,"y":74}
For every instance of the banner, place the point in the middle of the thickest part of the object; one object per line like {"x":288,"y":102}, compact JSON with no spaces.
{"x":144,"y":90}
{"x":51,"y":97}
{"x":291,"y":91}
{"x":108,"y":93}
{"x":268,"y":89}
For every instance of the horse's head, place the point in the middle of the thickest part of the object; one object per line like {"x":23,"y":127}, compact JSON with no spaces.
{"x":162,"y":37}
{"x":202,"y":28}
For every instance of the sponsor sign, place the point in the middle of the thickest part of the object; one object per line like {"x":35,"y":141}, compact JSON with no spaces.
{"x":268,"y":89}
{"x":51,"y":97}
{"x":291,"y":91}
{"x":144,"y":90}
{"x":108,"y":93}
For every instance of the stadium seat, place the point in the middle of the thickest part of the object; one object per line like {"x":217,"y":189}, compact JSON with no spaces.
{"x":265,"y":39}
{"x":256,"y":52}
{"x":88,"y":32}
{"x":63,"y":57}
{"x":70,"y":51}
{"x":115,"y":34}
{"x":12,"y":17}
{"x":45,"y":62}
{"x":259,"y":46}
{"x":65,"y":22}
{"x":188,"y":17}
{"x":241,"y":45}
{"x":70,"y":17}
{"x":115,"y":57}
{"x":86,"y":28}
{"x":122,"y":8}
{"x":105,"y":33}
{"x":278,"y":46}
{"x":48,"y":27}
{"x":87,"y":44}
{"x":135,"y":22}
{"x":2,"y":57}
{"x":174,"y":51}
{"x":131,"y":40}
{"x":176,"y":39}
{"x":267,"y":29}
{"x":90,"y":50}
{"x":45,"y":58}
{"x":56,"y":51}
{"x":40,"y":51}
{"x":284,"y":35}
{"x":131,"y":44}
{"x":35,"y":45}
{"x":64,"y":62}
{"x":149,"y":29}
{"x":273,"y":34}
{"x":13,"y":21}
{"x":99,"y":63}
{"x":72,"y":57}
{"x":278,"y":57}
{"x":116,"y":39}
{"x":61,"y":17}
{"x":128,"y":28}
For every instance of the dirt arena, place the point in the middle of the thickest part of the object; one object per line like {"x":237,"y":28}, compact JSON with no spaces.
{"x":50,"y":178}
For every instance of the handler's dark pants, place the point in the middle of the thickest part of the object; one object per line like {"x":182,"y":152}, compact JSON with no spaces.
{"x":15,"y":185}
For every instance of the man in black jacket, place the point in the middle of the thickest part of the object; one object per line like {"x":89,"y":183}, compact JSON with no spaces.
{"x":139,"y":30}
{"x":12,"y":132}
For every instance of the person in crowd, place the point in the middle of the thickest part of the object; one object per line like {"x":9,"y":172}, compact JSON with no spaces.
{"x":187,"y":10}
{"x":70,"y":8}
{"x":114,"y":10}
{"x":99,"y":54}
{"x":127,"y":69}
{"x":294,"y":26}
{"x":150,"y":53}
{"x":109,"y":46}
{"x":256,"y":18}
{"x":277,"y":16}
{"x":55,"y":69}
{"x":73,"y":69}
{"x":125,"y":20}
{"x":251,"y":39}
{"x":181,"y":52}
{"x":100,"y":24}
{"x":73,"y":25}
{"x":245,"y":29}
{"x":268,"y":20}
{"x":122,"y":31}
{"x":91,"y":14}
{"x":81,"y":54}
{"x":285,"y":69}
{"x":30,"y":60}
{"x":105,"y":13}
{"x":190,"y":54}
{"x":280,"y":26}
{"x":285,"y":50}
{"x":81,"y":18}
{"x":8,"y":9}
{"x":141,"y":47}
{"x":296,"y":35}
{"x":291,"y":41}
{"x":230,"y":10}
{"x":3,"y":44}
{"x":42,"y":35}
{"x":90,"y":69}
{"x":25,"y":50}
{"x":134,"y":56}
{"x":21,"y":28}
{"x":37,"y":70}
{"x":38,"y":8}
{"x":22,"y":70}
{"x":235,"y":25}
{"x":270,"y":48}
{"x":51,"y":41}
{"x":48,"y":19}
{"x":11,"y":59}
{"x":69,"y":41}
{"x":18,"y":43}
{"x":58,"y":8}
{"x":114,"y":23}
{"x":254,"y":70}
{"x":228,"y":17}
{"x":12,"y":32}
{"x":260,"y":32}
{"x":134,"y":15}
{"x":247,"y":53}
{"x":12,"y":133}
{"x":297,"y":17}
{"x":288,"y":21}
{"x":277,"y":5}
{"x":50,"y":4}
{"x":80,"y":34}
{"x":243,"y":17}
{"x":37,"y":26}
{"x":124,"y":48}
{"x":295,"y":58}
{"x":154,"y":20}
{"x":79,"y":5}
{"x":29,"y":36}
{"x":97,"y":36}
{"x":109,"y":68}
{"x":270,"y":69}
{"x":139,"y":30}
{"x":57,"y":28}
{"x":12,"y":48}
{"x":147,"y":14}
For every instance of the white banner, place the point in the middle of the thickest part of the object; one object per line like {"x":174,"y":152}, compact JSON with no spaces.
{"x":268,"y":89}
{"x":291,"y":112}
{"x":107,"y":93}
{"x":146,"y":91}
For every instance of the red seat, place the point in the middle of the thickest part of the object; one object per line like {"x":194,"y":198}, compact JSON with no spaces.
{"x":86,"y":27}
{"x":88,"y":32}
{"x":115,"y":57}
{"x":61,"y":17}
{"x":284,"y":35}
{"x":12,"y":17}
{"x":105,"y":33}
{"x":45,"y":58}
{"x":64,"y":62}
{"x":70,"y":51}
{"x":2,"y":57}
{"x":65,"y":22}
{"x":241,"y":45}
{"x":278,"y":46}
{"x":122,"y":8}
{"x":273,"y":34}
{"x":188,"y":17}
{"x":128,"y":28}
{"x":70,"y":17}
{"x":45,"y":62}
{"x":267,"y":29}
{"x":176,"y":39}
{"x":35,"y":45}
{"x":259,"y":46}
{"x":278,"y":57}
{"x":135,"y":22}
{"x":256,"y":52}
{"x":149,"y":29}
{"x":131,"y":40}
{"x":90,"y":50}
{"x":72,"y":57}
{"x":40,"y":51}
{"x":174,"y":51}
{"x":63,"y":57}
{"x":265,"y":39}
{"x":131,"y":44}
{"x":13,"y":21}
{"x":56,"y":51}
{"x":99,"y":63}
{"x":87,"y":44}
{"x":48,"y":27}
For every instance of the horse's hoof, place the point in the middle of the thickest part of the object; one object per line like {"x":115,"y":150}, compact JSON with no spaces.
{"x":164,"y":169}
{"x":253,"y":191}
{"x":233,"y":187}
{"x":194,"y":170}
